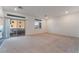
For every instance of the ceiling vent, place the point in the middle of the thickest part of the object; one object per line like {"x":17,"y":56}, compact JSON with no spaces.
{"x":20,"y":7}
{"x":38,"y":19}
{"x":15,"y":16}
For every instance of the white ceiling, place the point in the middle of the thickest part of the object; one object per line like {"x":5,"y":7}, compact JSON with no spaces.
{"x":41,"y":11}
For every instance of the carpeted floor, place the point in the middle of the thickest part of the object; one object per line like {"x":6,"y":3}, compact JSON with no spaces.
{"x":43,"y":43}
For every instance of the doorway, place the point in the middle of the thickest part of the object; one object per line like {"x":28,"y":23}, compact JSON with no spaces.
{"x":17,"y":27}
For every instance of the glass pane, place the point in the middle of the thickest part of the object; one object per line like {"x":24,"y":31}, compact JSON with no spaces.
{"x":17,"y":27}
{"x":21,"y":24}
{"x":1,"y":27}
{"x":13,"y":24}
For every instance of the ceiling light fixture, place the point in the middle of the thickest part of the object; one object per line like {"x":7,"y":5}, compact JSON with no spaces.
{"x":15,"y":9}
{"x":18,"y":8}
{"x":66,"y":12}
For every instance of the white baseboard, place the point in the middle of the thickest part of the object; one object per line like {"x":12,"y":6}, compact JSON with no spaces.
{"x":59,"y":34}
{"x":63,"y":35}
{"x":36,"y":33}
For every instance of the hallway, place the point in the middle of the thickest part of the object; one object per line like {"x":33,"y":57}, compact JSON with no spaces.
{"x":43,"y":43}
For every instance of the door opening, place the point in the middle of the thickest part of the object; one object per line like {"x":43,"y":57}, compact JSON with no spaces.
{"x":17,"y":27}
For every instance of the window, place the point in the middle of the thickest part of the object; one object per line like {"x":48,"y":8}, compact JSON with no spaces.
{"x":12,"y":21}
{"x":20,"y":22}
{"x":11,"y":25}
{"x":37,"y":24}
{"x":17,"y":27}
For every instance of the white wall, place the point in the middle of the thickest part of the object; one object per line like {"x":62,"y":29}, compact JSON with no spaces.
{"x":1,"y":12}
{"x":66,"y":25}
{"x":30,"y":27}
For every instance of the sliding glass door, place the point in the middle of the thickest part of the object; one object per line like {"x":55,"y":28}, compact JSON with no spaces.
{"x":21,"y":27}
{"x":17,"y":27}
{"x":1,"y":28}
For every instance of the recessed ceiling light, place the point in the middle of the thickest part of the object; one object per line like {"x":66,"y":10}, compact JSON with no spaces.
{"x":66,"y":12}
{"x":15,"y":9}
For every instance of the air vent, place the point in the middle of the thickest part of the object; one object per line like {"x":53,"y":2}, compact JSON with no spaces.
{"x":11,"y":15}
{"x":38,"y":20}
{"x":20,"y":7}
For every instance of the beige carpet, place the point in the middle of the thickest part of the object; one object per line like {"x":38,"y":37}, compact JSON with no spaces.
{"x":43,"y":43}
